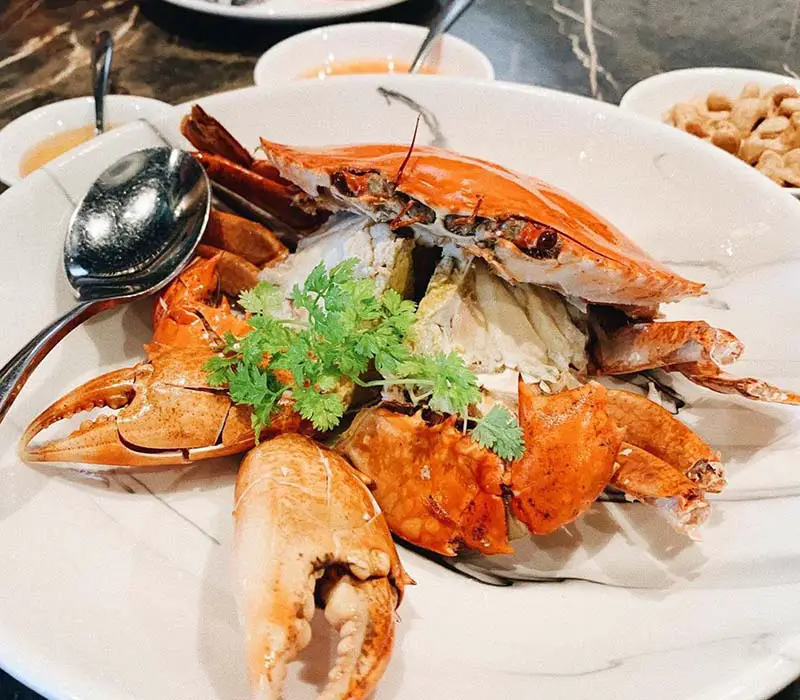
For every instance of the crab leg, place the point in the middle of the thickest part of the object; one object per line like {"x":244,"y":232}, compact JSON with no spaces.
{"x":647,"y":478}
{"x":655,"y":430}
{"x":247,"y":239}
{"x":712,"y":377}
{"x":206,"y":134}
{"x":643,"y":346}
{"x":306,"y":521}
{"x":283,"y":201}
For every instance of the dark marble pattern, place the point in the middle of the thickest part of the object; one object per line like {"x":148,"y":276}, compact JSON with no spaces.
{"x":591,"y":47}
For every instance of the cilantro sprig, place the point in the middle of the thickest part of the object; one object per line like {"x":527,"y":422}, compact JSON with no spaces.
{"x":500,"y":432}
{"x":343,"y":331}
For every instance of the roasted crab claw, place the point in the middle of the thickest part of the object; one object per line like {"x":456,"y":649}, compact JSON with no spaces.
{"x":168,"y":415}
{"x":308,"y":530}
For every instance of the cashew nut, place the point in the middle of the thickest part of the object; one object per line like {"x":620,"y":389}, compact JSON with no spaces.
{"x":771,"y":164}
{"x":761,"y":127}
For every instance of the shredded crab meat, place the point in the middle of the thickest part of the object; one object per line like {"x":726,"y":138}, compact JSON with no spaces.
{"x":384,"y":257}
{"x":498,"y":327}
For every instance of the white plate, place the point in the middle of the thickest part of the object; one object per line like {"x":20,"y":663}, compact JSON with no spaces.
{"x":653,"y":96}
{"x":287,"y":10}
{"x":115,"y":595}
{"x":29,"y":130}
{"x":289,"y":60}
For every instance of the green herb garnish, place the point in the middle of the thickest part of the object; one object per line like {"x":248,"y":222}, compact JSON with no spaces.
{"x":500,"y":432}
{"x":344,"y":329}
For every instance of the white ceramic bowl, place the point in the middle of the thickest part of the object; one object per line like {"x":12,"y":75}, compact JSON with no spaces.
{"x":386,"y":42}
{"x":653,"y":96}
{"x":29,"y":130}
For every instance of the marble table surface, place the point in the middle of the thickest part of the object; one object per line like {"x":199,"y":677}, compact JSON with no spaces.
{"x":591,"y":47}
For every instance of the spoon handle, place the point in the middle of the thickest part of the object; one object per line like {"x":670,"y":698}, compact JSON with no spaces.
{"x":16,"y":372}
{"x":441,"y":23}
{"x":102,"y":53}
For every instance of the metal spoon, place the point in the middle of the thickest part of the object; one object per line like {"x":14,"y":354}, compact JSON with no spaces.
{"x":102,"y":53}
{"x":438,"y":26}
{"x":135,"y":229}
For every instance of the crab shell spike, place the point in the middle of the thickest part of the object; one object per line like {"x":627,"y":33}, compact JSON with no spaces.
{"x":655,"y":430}
{"x":571,"y":444}
{"x":304,"y":520}
{"x":529,"y":230}
{"x":439,"y":489}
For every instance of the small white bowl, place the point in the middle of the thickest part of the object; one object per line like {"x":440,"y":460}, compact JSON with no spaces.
{"x":29,"y":130}
{"x":654,"y":96}
{"x":387,"y":42}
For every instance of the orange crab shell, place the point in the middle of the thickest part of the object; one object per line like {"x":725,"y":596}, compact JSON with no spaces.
{"x":437,"y":488}
{"x":605,"y":266}
{"x":571,"y":444}
{"x":183,"y":314}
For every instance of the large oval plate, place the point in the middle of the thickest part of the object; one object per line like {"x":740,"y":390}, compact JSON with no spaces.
{"x":286,"y":10}
{"x":120,"y":589}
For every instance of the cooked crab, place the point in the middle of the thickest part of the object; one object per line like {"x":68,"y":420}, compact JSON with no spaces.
{"x":525,"y":229}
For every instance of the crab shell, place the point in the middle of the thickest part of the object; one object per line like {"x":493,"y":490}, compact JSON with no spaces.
{"x":443,"y":492}
{"x":529,"y":230}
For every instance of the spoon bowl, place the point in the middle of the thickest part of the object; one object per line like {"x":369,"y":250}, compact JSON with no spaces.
{"x":131,"y":234}
{"x":137,"y":226}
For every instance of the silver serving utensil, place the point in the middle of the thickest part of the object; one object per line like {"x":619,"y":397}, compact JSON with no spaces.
{"x":131,"y":234}
{"x":102,"y":53}
{"x":438,"y":26}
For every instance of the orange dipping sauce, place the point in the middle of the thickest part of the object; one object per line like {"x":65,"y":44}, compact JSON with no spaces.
{"x":363,"y":66}
{"x":54,"y":146}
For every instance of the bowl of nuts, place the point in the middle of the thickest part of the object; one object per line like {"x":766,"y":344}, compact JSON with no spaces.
{"x":751,"y":114}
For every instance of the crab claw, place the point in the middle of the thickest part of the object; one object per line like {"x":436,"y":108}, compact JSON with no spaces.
{"x":654,"y":429}
{"x":307,"y":528}
{"x":115,"y":389}
{"x":169,"y":415}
